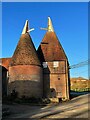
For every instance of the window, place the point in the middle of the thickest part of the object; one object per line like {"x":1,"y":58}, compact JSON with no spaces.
{"x":55,"y":64}
{"x":44,"y":64}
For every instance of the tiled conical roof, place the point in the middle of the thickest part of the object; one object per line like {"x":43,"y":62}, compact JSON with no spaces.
{"x":50,"y":48}
{"x":25,"y":53}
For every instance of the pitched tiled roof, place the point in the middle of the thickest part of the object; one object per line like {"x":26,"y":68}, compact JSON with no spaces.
{"x":50,"y":48}
{"x":25,"y":53}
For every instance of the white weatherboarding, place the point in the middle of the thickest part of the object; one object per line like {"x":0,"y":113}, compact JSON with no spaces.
{"x":26,"y":28}
{"x":49,"y":27}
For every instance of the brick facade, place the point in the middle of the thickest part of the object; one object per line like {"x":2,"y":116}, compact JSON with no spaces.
{"x":41,"y":73}
{"x":56,"y":79}
{"x":56,"y":70}
{"x":27,"y":80}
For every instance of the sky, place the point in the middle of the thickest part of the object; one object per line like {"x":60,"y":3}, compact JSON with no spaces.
{"x":70,"y":22}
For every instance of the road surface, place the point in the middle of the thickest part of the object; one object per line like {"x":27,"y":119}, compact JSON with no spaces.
{"x":76,"y":108}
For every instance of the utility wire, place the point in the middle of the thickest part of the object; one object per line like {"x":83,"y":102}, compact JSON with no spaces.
{"x":81,"y":72}
{"x":81,"y":64}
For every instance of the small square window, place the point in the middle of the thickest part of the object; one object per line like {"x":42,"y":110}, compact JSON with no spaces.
{"x":55,"y":64}
{"x":44,"y":64}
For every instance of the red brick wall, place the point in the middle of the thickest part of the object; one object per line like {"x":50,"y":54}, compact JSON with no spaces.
{"x":60,"y":69}
{"x":59,"y":84}
{"x":5,"y":62}
{"x":58,"y":78}
{"x":26,"y":80}
{"x":46,"y":85}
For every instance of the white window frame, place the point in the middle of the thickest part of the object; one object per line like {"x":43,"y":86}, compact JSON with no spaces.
{"x":45,"y":65}
{"x":55,"y":64}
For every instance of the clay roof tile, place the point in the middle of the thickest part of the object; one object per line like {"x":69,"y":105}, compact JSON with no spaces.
{"x":25,"y":53}
{"x":50,"y":48}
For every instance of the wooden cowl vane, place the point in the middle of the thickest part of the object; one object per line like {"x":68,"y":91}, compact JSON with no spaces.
{"x":25,"y":72}
{"x":55,"y":65}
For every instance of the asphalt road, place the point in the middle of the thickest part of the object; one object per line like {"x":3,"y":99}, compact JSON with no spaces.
{"x":76,"y":108}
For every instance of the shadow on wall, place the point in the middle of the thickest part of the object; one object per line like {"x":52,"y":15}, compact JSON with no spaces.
{"x":46,"y":73}
{"x":26,"y":88}
{"x":4,"y":81}
{"x":40,"y":54}
{"x":46,"y":82}
{"x":52,"y":93}
{"x":48,"y":92}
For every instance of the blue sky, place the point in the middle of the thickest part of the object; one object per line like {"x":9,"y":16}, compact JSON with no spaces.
{"x":70,"y":22}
